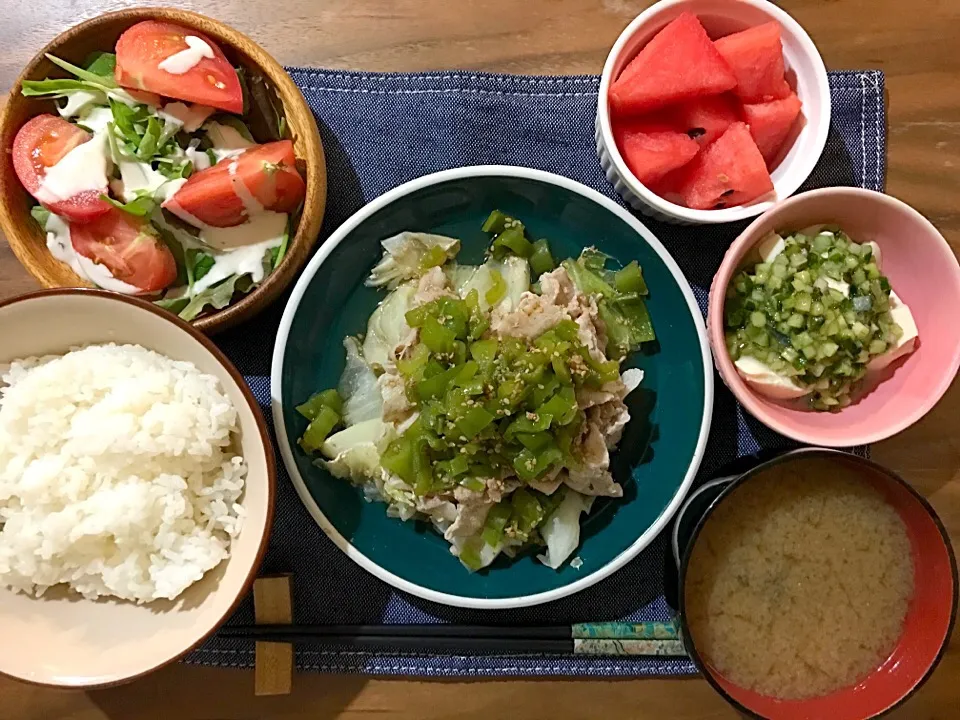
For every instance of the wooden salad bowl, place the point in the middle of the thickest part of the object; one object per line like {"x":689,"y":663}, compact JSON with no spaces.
{"x":27,"y":239}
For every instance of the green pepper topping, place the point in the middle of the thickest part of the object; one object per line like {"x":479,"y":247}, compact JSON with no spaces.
{"x":319,"y":428}
{"x":328,"y":398}
{"x":541,"y":260}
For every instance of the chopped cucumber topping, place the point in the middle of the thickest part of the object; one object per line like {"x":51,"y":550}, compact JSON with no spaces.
{"x":817,"y":313}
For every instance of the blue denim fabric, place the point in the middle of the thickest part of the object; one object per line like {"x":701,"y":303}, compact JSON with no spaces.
{"x":380,"y":130}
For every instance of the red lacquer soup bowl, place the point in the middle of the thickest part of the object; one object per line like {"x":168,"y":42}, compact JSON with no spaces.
{"x":927,"y":627}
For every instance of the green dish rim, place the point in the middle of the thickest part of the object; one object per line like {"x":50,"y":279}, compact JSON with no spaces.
{"x":286,"y":451}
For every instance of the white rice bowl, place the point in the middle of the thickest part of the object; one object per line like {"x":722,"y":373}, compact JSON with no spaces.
{"x":120,"y":473}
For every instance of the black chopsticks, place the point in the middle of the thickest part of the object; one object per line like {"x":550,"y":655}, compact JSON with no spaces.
{"x":612,"y":639}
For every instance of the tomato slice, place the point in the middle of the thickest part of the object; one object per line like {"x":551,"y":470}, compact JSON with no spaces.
{"x":128,"y":247}
{"x":41,"y":143}
{"x":144,"y":47}
{"x":265,"y":176}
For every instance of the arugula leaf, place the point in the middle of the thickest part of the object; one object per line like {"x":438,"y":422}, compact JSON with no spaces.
{"x":199,"y":262}
{"x":277,"y":254}
{"x":202,"y":266}
{"x":141,"y":206}
{"x":125,"y":119}
{"x":41,"y":215}
{"x":218,"y":296}
{"x":237,"y":124}
{"x":101,"y":63}
{"x":174,"y":305}
{"x":245,"y":91}
{"x":265,"y":110}
{"x":117,"y":154}
{"x":91,"y":77}
{"x":57,"y":87}
{"x":167,"y":141}
{"x":150,"y":140}
{"x":169,"y":149}
{"x":176,"y":249}
{"x":280,"y":251}
{"x":172,"y":171}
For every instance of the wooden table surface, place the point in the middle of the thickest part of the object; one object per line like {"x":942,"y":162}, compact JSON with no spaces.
{"x":914,"y":42}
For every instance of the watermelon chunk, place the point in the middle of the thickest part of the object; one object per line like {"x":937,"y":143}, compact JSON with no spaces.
{"x":756,"y":57}
{"x":679,"y":63}
{"x":705,"y":119}
{"x":668,"y":187}
{"x":651,"y":150}
{"x":771,"y":122}
{"x":729,"y":172}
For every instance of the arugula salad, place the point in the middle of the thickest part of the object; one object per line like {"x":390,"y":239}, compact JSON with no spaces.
{"x":148,"y":178}
{"x":486,"y":399}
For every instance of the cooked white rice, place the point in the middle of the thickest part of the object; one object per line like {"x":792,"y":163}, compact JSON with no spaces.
{"x":119,"y":473}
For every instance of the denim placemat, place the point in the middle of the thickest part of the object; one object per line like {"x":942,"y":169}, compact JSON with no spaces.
{"x":380,"y":130}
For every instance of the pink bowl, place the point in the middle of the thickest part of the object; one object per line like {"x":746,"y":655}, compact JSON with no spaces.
{"x":922,"y":270}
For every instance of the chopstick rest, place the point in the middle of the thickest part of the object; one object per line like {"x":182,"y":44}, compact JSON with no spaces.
{"x":273,"y":667}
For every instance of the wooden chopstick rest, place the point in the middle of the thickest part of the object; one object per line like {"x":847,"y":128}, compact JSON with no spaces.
{"x":273,"y":667}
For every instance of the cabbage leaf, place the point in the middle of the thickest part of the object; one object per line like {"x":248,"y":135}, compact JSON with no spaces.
{"x":358,"y":387}
{"x":561,"y":531}
{"x":410,"y":254}
{"x":387,"y":326}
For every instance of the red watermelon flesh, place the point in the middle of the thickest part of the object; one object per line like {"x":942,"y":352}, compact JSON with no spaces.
{"x":756,"y":57}
{"x":771,"y":122}
{"x":651,"y":150}
{"x":679,"y":63}
{"x":707,"y":118}
{"x":729,"y":172}
{"x":668,"y":187}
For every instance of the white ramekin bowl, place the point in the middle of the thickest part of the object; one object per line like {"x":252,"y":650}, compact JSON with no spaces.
{"x":806,"y":74}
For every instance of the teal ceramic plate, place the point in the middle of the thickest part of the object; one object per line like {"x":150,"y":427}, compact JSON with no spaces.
{"x":660,"y":452}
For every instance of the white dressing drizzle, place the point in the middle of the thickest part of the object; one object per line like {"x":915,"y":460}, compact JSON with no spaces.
{"x":171,"y":124}
{"x":96,"y":119}
{"x":121,"y":95}
{"x":263,"y":227}
{"x":78,"y":101}
{"x":138,"y":177}
{"x":84,"y":168}
{"x":241,"y":261}
{"x":199,"y":158}
{"x":226,"y":141}
{"x":191,"y":117}
{"x":61,"y":247}
{"x":251,"y":205}
{"x":169,"y":189}
{"x":185,"y":60}
{"x":100,"y":276}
